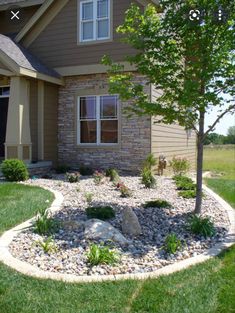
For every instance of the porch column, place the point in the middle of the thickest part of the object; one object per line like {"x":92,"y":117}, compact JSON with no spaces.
{"x":18,"y":139}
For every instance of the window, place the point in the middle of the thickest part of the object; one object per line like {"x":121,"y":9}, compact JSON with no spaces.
{"x":4,"y":92}
{"x":98,"y":120}
{"x":94,"y":20}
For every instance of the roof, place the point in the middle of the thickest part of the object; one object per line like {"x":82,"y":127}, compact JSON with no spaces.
{"x":24,"y":58}
{"x":5,"y":4}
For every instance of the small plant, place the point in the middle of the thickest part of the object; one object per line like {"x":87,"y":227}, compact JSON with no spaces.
{"x":201,"y":226}
{"x":187,"y":194}
{"x":159,"y":203}
{"x":14,"y":170}
{"x":89,"y":197}
{"x":45,"y":224}
{"x":182,"y":185}
{"x":86,"y":171}
{"x":172,"y":244}
{"x":62,"y":169}
{"x":98,"y":177}
{"x":100,"y":212}
{"x":147,"y":178}
{"x":181,"y":178}
{"x":179,"y":165}
{"x":150,"y":161}
{"x":48,"y":245}
{"x":125,"y":191}
{"x":73,"y":177}
{"x":100,"y":254}
{"x":112,"y":174}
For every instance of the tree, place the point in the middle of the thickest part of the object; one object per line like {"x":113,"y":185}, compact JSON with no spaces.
{"x":215,"y":139}
{"x":191,"y":62}
{"x":231,"y":135}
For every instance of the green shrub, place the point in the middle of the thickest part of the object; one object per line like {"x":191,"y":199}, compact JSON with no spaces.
{"x":73,"y":177}
{"x":181,"y":185}
{"x":150,"y":161}
{"x":179,"y":165}
{"x":201,"y":226}
{"x":100,"y":254}
{"x":147,"y":178}
{"x":187,"y":194}
{"x":181,"y":178}
{"x":86,"y":171}
{"x":89,"y":197}
{"x":100,"y":212}
{"x":172,"y":244}
{"x":125,"y":191}
{"x":112,"y":174}
{"x":48,"y":245}
{"x":159,"y":203}
{"x":98,"y":177}
{"x":14,"y":170}
{"x":62,"y":169}
{"x":45,"y":224}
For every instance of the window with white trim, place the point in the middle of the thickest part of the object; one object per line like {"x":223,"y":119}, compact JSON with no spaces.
{"x":4,"y":91}
{"x":98,"y":120}
{"x":94,"y":23}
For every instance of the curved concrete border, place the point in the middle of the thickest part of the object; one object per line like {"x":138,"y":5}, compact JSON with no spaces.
{"x":30,"y":270}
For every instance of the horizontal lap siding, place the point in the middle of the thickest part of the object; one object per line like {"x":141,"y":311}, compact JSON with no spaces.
{"x":172,"y":140}
{"x":57,"y":44}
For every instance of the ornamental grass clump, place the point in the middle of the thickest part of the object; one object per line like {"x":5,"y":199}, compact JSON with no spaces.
{"x":203,"y":226}
{"x":159,"y":203}
{"x":98,"y":177}
{"x":73,"y":177}
{"x":147,"y":178}
{"x":100,"y":212}
{"x":172,"y":244}
{"x":86,"y":171}
{"x":112,"y":174}
{"x":100,"y":254}
{"x":45,"y":224}
{"x":14,"y":170}
{"x":179,"y":165}
{"x":124,"y":190}
{"x":48,"y":245}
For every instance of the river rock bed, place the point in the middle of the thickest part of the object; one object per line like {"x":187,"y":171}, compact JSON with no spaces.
{"x":143,"y":253}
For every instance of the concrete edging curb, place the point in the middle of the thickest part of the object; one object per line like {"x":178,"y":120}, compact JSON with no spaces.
{"x":30,"y":270}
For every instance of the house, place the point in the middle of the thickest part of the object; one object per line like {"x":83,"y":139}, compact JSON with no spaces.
{"x":54,"y":101}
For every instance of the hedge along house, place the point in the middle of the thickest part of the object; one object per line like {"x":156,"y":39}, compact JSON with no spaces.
{"x":54,"y":100}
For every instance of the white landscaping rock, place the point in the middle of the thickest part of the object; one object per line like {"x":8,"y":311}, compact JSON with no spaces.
{"x":130,"y":223}
{"x":99,"y":230}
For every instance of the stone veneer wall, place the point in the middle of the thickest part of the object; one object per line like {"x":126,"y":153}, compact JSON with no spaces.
{"x":135,"y":132}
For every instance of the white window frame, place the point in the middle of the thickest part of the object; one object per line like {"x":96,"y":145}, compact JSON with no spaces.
{"x":98,"y":121}
{"x":5,"y":96}
{"x":95,"y":22}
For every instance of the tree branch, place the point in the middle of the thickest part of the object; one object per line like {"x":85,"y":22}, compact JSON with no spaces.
{"x":229,"y":109}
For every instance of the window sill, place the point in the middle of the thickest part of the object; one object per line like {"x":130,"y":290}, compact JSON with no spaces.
{"x":94,"y":42}
{"x":106,"y":147}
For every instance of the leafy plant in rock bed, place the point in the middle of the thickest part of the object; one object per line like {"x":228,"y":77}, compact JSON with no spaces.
{"x":150,"y":161}
{"x":86,"y":171}
{"x":199,"y":225}
{"x":44,"y":224}
{"x":100,"y":212}
{"x":172,"y":244}
{"x":147,"y":178}
{"x":48,"y":245}
{"x":62,"y":169}
{"x":98,"y":177}
{"x":159,"y":203}
{"x":187,"y":194}
{"x":14,"y":170}
{"x":100,"y":254}
{"x":112,"y":174}
{"x":89,"y":197}
{"x":181,"y":185}
{"x":125,"y":191}
{"x":179,"y":165}
{"x":73,"y":177}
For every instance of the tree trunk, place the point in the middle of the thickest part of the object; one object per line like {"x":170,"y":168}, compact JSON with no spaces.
{"x":200,"y":139}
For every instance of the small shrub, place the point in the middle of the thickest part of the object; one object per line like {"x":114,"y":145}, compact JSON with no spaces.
{"x":181,"y":178}
{"x":157,"y":204}
{"x":150,"y":161}
{"x":86,"y":171}
{"x":14,"y":170}
{"x":201,"y":226}
{"x":73,"y":177}
{"x":98,"y":177}
{"x":181,"y":185}
{"x":179,"y":165}
{"x":100,"y":212}
{"x":112,"y":174}
{"x":45,"y":224}
{"x":172,"y":244}
{"x":147,"y":178}
{"x":100,"y":254}
{"x":62,"y":169}
{"x":125,"y":191}
{"x":48,"y":245}
{"x":187,"y":194}
{"x":89,"y":197}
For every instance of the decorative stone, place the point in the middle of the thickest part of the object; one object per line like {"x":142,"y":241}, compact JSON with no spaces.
{"x":99,"y":230}
{"x":130,"y":223}
{"x":73,"y":225}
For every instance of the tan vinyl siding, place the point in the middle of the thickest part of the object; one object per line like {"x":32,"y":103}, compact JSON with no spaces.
{"x":172,"y":140}
{"x":33,"y":113}
{"x":8,"y":27}
{"x":50,"y":122}
{"x":57,"y":44}
{"x":2,"y":66}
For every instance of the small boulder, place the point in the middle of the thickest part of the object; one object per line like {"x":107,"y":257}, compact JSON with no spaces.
{"x":72,"y":225}
{"x":130,"y":223}
{"x":103,"y":231}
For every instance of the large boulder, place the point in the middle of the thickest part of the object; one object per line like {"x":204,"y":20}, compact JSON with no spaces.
{"x":103,"y":231}
{"x":130,"y":223}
